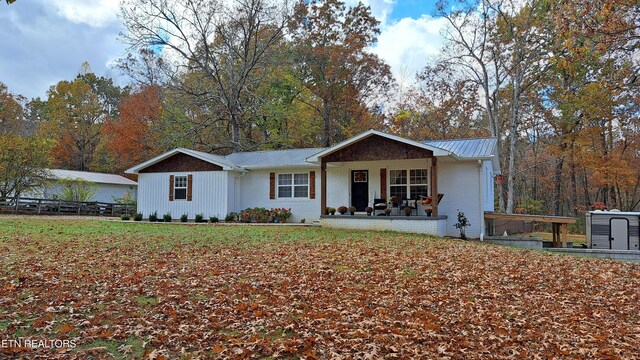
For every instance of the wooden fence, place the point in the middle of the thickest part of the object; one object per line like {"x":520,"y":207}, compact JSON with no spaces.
{"x":62,"y":207}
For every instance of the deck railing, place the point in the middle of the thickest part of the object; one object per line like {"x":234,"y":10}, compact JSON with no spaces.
{"x":61,"y":207}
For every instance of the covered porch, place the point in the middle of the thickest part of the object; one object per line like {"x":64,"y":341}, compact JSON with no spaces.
{"x":372,"y":168}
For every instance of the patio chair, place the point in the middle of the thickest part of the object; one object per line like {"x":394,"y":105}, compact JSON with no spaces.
{"x":379,"y":205}
{"x":412,"y":204}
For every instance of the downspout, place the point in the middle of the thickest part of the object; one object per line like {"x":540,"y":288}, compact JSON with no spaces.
{"x":481,"y":203}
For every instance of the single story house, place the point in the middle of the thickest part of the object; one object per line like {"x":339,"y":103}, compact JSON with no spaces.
{"x":362,"y":171}
{"x":108,"y":187}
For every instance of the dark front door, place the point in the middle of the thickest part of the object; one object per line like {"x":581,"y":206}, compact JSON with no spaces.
{"x":360,"y":189}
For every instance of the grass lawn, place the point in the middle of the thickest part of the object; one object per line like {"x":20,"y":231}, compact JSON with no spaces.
{"x":151,"y":290}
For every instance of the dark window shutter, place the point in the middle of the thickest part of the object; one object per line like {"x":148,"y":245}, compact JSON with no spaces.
{"x":272,"y":185}
{"x":383,"y":183}
{"x":189,"y":187}
{"x":171,"y":188}
{"x":312,"y":184}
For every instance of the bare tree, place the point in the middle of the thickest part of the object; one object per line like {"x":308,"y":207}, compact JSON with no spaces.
{"x":498,"y":44}
{"x":226,"y":44}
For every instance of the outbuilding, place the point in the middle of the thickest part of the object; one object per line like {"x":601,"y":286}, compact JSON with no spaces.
{"x":613,"y":230}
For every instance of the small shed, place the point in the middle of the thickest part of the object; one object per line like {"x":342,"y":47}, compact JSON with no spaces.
{"x":613,"y":230}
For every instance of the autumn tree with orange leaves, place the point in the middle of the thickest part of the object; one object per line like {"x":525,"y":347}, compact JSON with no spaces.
{"x":130,"y":139}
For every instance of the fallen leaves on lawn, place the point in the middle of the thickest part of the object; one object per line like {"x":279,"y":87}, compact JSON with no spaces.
{"x":369,"y":296}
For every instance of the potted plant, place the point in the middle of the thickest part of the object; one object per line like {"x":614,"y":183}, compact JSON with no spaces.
{"x":429,"y":211}
{"x":342,"y":210}
{"x":407,"y":211}
{"x":462,"y":224}
{"x":332,"y":211}
{"x":387,"y":211}
{"x":352,"y":210}
{"x":369,"y":210}
{"x":327,"y":210}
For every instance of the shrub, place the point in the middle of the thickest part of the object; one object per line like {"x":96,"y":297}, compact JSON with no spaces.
{"x":332,"y":211}
{"x":462,"y":224}
{"x":342,"y":210}
{"x":166,"y":217}
{"x":213,"y":219}
{"x":352,"y":209}
{"x":254,"y":215}
{"x":184,"y":218}
{"x":153,"y":217}
{"x":200,"y":218}
{"x":125,"y":217}
{"x":231,"y":217}
{"x":137,"y":217}
{"x":280,"y":214}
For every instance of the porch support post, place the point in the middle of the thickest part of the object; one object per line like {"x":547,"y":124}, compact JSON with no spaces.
{"x":323,"y":186}
{"x":434,"y":185}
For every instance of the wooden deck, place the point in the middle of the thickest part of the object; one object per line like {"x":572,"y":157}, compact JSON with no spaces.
{"x":559,"y":224}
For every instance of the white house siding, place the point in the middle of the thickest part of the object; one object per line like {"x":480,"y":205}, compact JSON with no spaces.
{"x":487,"y":186}
{"x":254,"y":192}
{"x":210,"y":194}
{"x":460,"y":184}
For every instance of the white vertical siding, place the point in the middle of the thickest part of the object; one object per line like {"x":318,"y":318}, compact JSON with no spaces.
{"x":254,"y":192}
{"x":460,"y":184}
{"x":210,"y":194}
{"x":488,"y":188}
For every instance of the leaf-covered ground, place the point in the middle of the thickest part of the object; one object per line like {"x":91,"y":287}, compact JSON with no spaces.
{"x":153,"y":290}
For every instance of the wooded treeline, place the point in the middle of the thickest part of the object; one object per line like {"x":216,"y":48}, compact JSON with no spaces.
{"x":556,"y":81}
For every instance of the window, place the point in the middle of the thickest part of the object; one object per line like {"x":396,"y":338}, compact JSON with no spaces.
{"x":411,"y":186}
{"x":293,"y":185}
{"x":180,"y":188}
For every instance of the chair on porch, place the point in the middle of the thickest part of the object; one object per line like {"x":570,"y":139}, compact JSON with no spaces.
{"x":411,"y":204}
{"x":379,"y":205}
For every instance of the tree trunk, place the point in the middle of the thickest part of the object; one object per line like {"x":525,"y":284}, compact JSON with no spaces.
{"x":235,"y":132}
{"x":558,"y":185}
{"x":326,"y":116}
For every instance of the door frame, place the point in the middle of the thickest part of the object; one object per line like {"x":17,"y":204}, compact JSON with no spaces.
{"x":628,"y":239}
{"x":352,"y":181}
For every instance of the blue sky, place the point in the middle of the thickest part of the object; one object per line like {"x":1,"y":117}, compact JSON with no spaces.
{"x":45,"y":41}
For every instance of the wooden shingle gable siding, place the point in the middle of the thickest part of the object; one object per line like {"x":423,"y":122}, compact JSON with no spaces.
{"x":180,"y":163}
{"x":378,"y":148}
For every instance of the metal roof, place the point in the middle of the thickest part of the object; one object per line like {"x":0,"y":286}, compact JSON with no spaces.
{"x":100,"y":178}
{"x":273,"y":158}
{"x":468,"y":148}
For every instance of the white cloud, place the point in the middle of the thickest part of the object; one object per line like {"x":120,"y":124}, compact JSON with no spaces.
{"x":409,"y":44}
{"x":381,"y":9}
{"x":96,"y":13}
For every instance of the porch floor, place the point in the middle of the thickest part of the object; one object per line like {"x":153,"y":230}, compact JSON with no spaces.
{"x":428,"y":225}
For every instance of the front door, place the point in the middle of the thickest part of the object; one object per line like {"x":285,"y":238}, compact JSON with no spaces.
{"x":619,"y":234}
{"x":360,"y":189}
